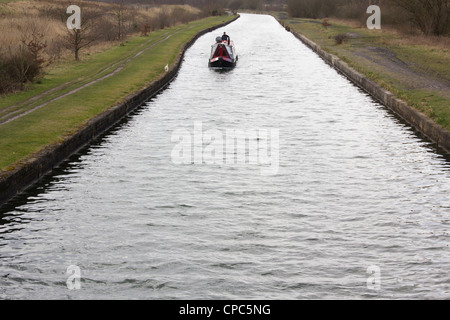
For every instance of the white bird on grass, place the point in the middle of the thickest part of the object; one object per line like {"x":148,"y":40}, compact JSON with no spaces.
{"x":166,"y":67}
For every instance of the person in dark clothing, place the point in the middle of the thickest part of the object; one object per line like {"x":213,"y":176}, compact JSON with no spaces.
{"x":225,"y":37}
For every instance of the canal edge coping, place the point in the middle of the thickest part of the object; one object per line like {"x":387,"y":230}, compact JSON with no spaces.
{"x":34,"y":168}
{"x":418,"y":120}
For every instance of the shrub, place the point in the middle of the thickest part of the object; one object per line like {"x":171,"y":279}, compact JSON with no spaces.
{"x":325,"y":23}
{"x":341,"y":38}
{"x":311,"y":8}
{"x":17,"y":68}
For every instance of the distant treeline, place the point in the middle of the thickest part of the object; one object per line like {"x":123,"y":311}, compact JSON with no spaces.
{"x":224,"y":4}
{"x":431,"y":17}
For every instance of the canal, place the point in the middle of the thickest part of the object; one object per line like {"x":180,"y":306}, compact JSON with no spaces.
{"x":330,"y":195}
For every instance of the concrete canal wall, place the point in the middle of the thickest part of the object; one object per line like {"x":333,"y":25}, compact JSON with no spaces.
{"x":19,"y":179}
{"x":415,"y":118}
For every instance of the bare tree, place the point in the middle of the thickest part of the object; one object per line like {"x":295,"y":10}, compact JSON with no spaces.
{"x":119,"y":11}
{"x":33,"y":41}
{"x":430,"y":16}
{"x":78,"y":39}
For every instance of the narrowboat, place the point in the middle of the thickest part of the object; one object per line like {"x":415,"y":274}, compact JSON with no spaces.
{"x":223,"y":54}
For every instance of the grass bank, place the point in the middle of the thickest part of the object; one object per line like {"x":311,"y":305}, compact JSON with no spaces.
{"x":72,"y":93}
{"x":415,"y":69}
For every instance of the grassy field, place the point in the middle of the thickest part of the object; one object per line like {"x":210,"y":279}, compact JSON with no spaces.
{"x":24,"y":136}
{"x":414,"y":68}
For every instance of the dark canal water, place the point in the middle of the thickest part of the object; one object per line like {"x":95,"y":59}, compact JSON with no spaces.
{"x":337,"y":198}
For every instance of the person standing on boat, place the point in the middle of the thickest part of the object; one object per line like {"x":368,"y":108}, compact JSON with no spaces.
{"x":225,"y":37}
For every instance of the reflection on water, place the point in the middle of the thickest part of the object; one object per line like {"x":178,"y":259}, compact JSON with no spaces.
{"x":356,"y":190}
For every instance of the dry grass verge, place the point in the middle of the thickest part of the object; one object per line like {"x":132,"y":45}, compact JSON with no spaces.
{"x":34,"y":33}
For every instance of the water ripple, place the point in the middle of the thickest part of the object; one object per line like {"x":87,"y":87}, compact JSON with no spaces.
{"x":355,"y":188}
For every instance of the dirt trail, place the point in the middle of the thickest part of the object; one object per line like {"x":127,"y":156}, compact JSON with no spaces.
{"x":409,"y":74}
